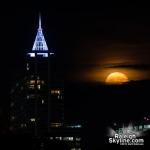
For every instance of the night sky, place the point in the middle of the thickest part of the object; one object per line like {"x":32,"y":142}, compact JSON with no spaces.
{"x":89,"y":43}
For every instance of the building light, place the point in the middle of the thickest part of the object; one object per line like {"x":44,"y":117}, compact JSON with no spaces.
{"x":146,"y":126}
{"x":58,"y":138}
{"x":43,"y":101}
{"x":51,"y":53}
{"x":78,"y":139}
{"x":32,"y":119}
{"x":51,"y":138}
{"x":55,"y":92}
{"x":75,"y":126}
{"x":32,"y":81}
{"x":43,"y":54}
{"x":28,"y":66}
{"x":140,"y":127}
{"x":23,"y":125}
{"x":56,"y":125}
{"x":31,"y":54}
{"x":39,"y":86}
{"x":68,"y":138}
{"x":31,"y":86}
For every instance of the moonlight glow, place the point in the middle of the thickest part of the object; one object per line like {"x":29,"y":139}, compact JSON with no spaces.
{"x":116,"y":78}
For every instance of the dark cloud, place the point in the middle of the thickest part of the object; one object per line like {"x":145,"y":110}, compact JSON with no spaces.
{"x":132,"y":66}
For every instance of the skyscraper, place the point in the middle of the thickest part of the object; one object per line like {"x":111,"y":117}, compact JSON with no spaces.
{"x":37,"y":100}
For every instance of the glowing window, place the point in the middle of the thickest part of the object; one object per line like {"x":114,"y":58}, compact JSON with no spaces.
{"x":31,"y":86}
{"x":32,"y":119}
{"x":32,"y":54}
{"x":140,"y":127}
{"x":56,"y":125}
{"x":55,"y":91}
{"x":27,"y":66}
{"x":23,"y":125}
{"x":43,"y":101}
{"x":39,"y":86}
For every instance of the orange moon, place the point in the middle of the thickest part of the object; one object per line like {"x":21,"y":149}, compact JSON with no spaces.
{"x":116,"y":78}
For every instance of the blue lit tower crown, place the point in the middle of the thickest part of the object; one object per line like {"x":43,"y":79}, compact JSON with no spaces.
{"x":40,"y":47}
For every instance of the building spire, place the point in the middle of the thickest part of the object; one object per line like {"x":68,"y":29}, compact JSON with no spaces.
{"x":40,"y":27}
{"x":40,"y":43}
{"x":40,"y":46}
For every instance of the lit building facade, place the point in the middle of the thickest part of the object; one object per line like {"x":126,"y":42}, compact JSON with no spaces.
{"x":37,"y":101}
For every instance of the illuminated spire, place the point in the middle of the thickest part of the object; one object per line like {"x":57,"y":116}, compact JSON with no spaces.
{"x":40,"y":43}
{"x":40,"y":27}
{"x":40,"y":46}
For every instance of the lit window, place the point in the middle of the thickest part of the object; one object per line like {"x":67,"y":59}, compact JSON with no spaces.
{"x":32,"y":54}
{"x":27,"y":66}
{"x":32,"y":119}
{"x":43,"y":54}
{"x":31,"y":86}
{"x":146,"y":126}
{"x":68,"y":138}
{"x":51,"y":53}
{"x":51,"y":138}
{"x":56,"y":125}
{"x":58,"y":138}
{"x":43,"y":101}
{"x":52,"y":91}
{"x":23,"y":125}
{"x":140,"y":127}
{"x":39,"y":86}
{"x":78,"y":139}
{"x":55,"y":91}
{"x":32,"y":81}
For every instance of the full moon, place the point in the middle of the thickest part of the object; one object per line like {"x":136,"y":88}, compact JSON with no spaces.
{"x":116,"y":78}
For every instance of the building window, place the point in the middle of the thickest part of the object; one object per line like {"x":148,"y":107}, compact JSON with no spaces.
{"x":32,"y":119}
{"x":23,"y":125}
{"x":56,"y":125}
{"x":39,"y":86}
{"x":43,"y":101}
{"x":55,"y":92}
{"x":31,"y":86}
{"x":28,"y":66}
{"x":140,"y":127}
